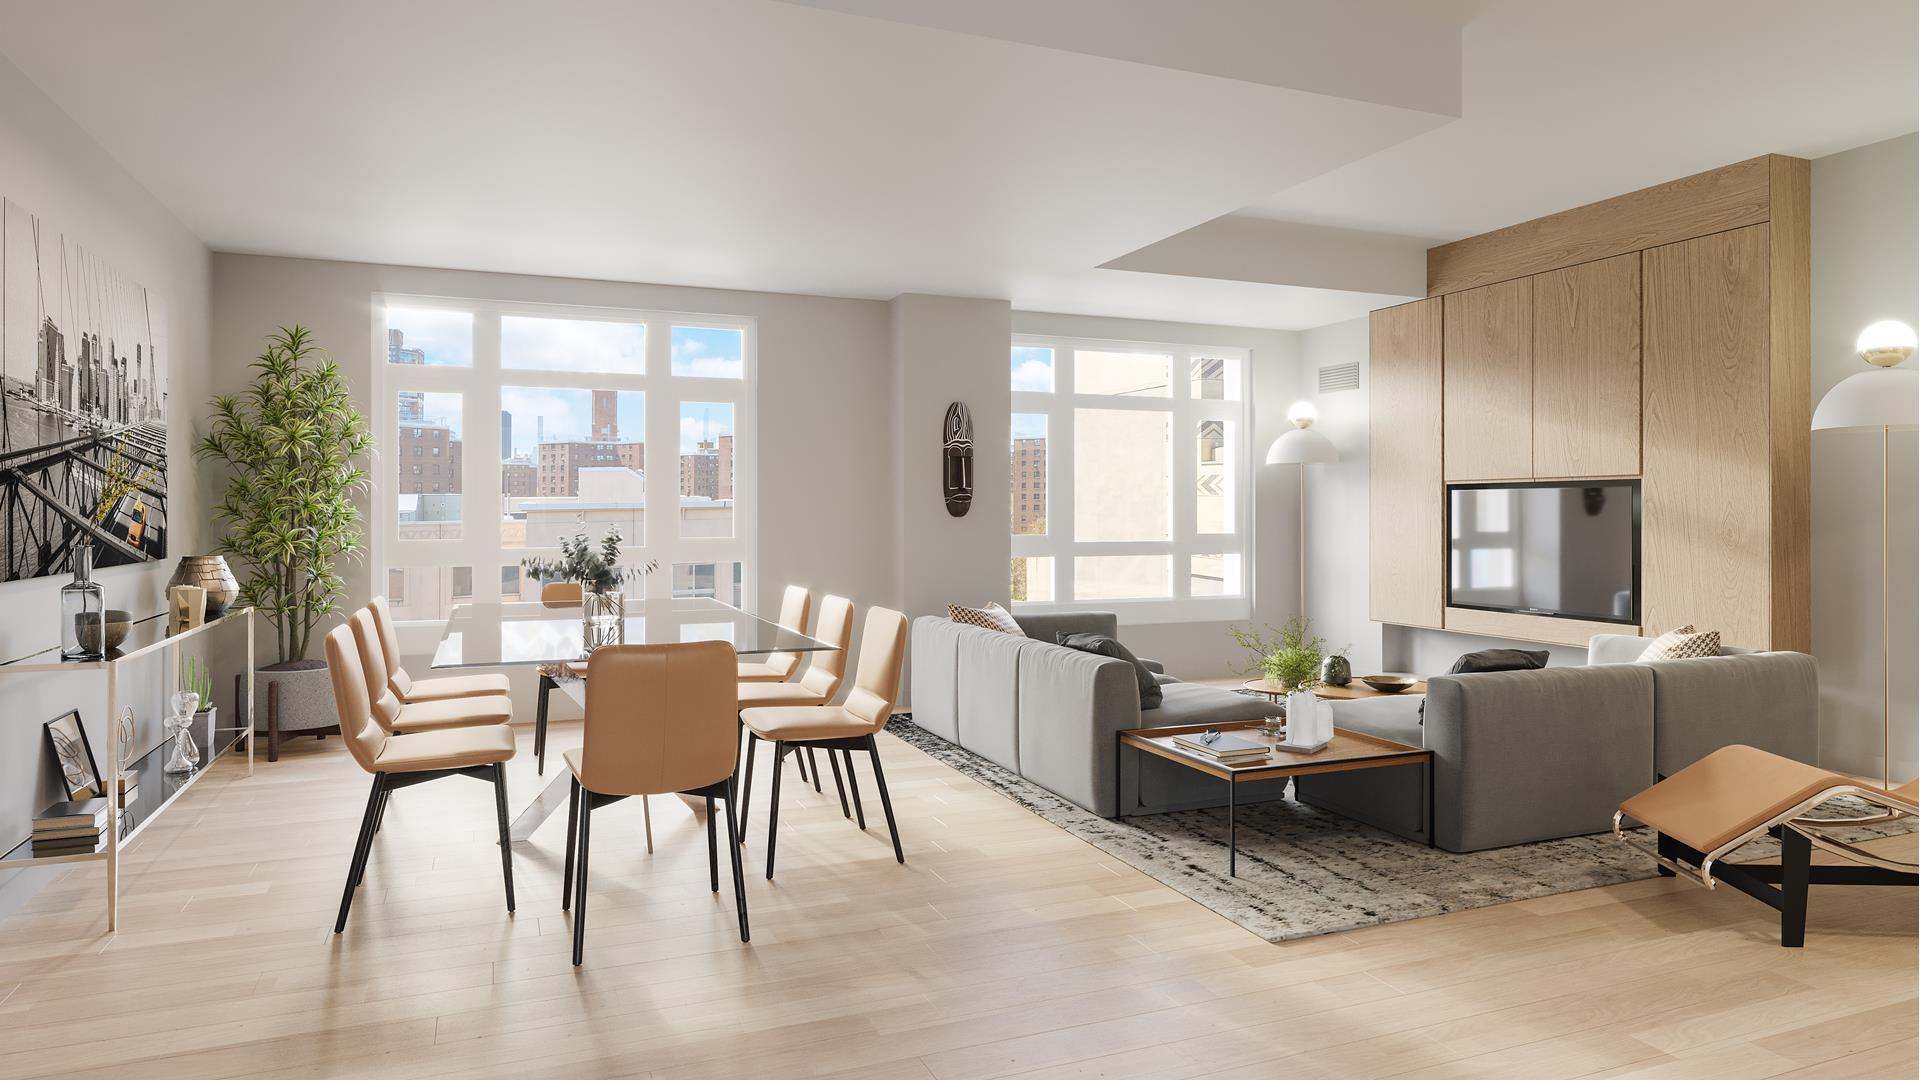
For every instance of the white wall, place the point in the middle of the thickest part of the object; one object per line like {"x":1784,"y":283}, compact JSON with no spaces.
{"x":826,"y":461}
{"x":50,"y":167}
{"x":1199,"y":650}
{"x":1337,"y":507}
{"x":1864,"y":225}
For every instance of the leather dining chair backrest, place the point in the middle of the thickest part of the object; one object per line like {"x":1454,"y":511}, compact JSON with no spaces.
{"x":364,"y":738}
{"x":876,"y":678}
{"x":373,"y":661}
{"x":561,"y":593}
{"x":825,"y":668}
{"x":660,"y":718}
{"x":795,"y":604}
{"x":394,"y":675}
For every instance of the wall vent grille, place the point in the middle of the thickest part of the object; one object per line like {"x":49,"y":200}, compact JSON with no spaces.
{"x":1338,"y":377}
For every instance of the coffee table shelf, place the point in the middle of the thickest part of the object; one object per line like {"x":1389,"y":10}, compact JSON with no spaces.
{"x":1349,"y":750}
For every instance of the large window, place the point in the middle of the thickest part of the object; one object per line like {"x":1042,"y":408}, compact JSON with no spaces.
{"x":1128,"y":477}
{"x":506,"y":428}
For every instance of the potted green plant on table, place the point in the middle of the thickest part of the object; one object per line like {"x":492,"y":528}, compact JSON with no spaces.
{"x":293,"y":443}
{"x":598,"y":571}
{"x":1289,"y":659}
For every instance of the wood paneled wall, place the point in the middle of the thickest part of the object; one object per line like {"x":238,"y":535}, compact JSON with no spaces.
{"x":1662,"y":334}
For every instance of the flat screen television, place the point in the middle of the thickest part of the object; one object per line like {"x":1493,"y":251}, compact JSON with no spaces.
{"x":1564,"y":549}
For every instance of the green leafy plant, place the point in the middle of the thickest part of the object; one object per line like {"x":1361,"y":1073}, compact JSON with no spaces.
{"x":597,"y":570}
{"x":196,"y":677}
{"x":293,"y":443}
{"x":1288,"y":657}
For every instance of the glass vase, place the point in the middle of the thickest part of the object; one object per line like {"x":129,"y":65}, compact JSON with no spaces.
{"x":603,"y":619}
{"x":186,"y":756}
{"x":83,"y":611}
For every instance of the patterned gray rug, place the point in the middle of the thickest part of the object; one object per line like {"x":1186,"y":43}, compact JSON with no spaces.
{"x":1306,"y":871}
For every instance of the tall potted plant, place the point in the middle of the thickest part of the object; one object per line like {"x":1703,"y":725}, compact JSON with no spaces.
{"x":293,"y":443}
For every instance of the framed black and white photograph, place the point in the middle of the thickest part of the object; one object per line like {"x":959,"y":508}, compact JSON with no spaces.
{"x":83,"y":405}
{"x":73,"y":756}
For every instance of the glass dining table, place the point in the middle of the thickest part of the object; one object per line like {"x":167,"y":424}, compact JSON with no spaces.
{"x":554,"y":636}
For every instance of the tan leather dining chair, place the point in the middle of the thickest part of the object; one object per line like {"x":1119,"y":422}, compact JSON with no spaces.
{"x":398,"y":761}
{"x":817,"y":685}
{"x":432,"y":714}
{"x":660,"y":720}
{"x":780,"y":666}
{"x":411,"y":689}
{"x":562,"y":594}
{"x":846,"y":727}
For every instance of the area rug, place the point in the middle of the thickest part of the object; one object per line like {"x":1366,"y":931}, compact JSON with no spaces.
{"x":1305,"y":871}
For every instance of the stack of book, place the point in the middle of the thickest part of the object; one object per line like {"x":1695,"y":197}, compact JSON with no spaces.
{"x":1222,"y":747}
{"x":70,"y":828}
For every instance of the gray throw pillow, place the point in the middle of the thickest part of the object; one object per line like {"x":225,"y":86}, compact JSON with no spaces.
{"x":1499,"y":660}
{"x":1102,"y":645}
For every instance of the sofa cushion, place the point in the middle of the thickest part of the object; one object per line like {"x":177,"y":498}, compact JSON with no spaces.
{"x":1192,"y":703}
{"x":1102,"y":645}
{"x":987,"y":706}
{"x":933,"y":689}
{"x":1046,"y":626}
{"x":990,"y":617}
{"x":1499,"y":660}
{"x":1683,"y":644}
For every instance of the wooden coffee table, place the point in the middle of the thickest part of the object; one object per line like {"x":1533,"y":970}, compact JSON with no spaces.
{"x":1349,"y":750}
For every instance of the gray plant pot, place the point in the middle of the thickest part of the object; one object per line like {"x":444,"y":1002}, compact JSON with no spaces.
{"x":294,"y":698}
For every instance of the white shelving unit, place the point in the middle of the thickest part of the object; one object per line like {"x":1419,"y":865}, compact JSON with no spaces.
{"x":157,"y":790}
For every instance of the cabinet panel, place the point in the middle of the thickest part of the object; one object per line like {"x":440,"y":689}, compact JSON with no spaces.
{"x":1404,"y":482}
{"x":1706,"y":500}
{"x":1489,"y":382}
{"x":1586,"y":369}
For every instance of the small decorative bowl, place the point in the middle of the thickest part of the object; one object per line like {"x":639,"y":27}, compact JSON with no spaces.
{"x":118,"y":625}
{"x":1388,"y":684}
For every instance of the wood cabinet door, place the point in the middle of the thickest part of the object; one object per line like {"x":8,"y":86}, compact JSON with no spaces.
{"x":1586,"y":369}
{"x":1489,"y":382}
{"x":1706,"y":503}
{"x":1405,"y":488}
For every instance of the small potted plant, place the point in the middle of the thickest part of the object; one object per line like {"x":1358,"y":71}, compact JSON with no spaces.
{"x":196,"y":678}
{"x":598,"y":570}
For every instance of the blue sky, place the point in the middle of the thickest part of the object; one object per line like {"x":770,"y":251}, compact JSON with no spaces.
{"x":700,"y":419}
{"x":1029,"y":425}
{"x":702,"y":351}
{"x":1033,"y":368}
{"x":447,"y":336}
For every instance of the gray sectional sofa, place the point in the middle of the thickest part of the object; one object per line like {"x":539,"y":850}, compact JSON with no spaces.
{"x":1518,"y":756}
{"x":1052,"y":714}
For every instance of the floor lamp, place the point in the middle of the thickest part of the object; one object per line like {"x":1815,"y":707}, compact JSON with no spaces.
{"x":1884,"y":398}
{"x":1302,"y":446}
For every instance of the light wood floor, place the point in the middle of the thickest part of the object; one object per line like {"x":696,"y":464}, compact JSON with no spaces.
{"x":1003,"y":947}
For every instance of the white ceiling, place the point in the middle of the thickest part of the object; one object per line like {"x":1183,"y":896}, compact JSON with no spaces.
{"x":1003,"y":148}
{"x":1566,"y":102}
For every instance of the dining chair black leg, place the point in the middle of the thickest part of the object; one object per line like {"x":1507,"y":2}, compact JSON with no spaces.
{"x":713,"y":849}
{"x":773,"y":808}
{"x":380,"y":815}
{"x":580,"y":883}
{"x":853,"y":787}
{"x":746,"y":785}
{"x":360,"y":845}
{"x":802,"y":762}
{"x":880,"y":780}
{"x":815,"y":767}
{"x":839,"y":785}
{"x":547,"y":686}
{"x":573,"y":837}
{"x":739,"y":876}
{"x":506,"y":841}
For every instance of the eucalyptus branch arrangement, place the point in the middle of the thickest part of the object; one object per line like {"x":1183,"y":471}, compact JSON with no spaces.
{"x":597,"y":569}
{"x":1289,"y":656}
{"x":293,"y":443}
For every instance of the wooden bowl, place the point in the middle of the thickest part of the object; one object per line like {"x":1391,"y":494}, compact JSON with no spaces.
{"x":1389,"y":684}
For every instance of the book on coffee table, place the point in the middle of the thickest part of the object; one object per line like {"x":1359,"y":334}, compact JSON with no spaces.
{"x":1221,"y":746}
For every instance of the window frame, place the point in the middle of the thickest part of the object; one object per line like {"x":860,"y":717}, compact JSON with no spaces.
{"x":483,"y":503}
{"x":1185,"y":413}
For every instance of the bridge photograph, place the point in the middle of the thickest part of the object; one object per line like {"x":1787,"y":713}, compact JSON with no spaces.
{"x":83,"y":406}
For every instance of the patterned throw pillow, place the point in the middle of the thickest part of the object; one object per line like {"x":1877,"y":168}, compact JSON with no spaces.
{"x":1686,"y":643}
{"x":991,"y":617}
